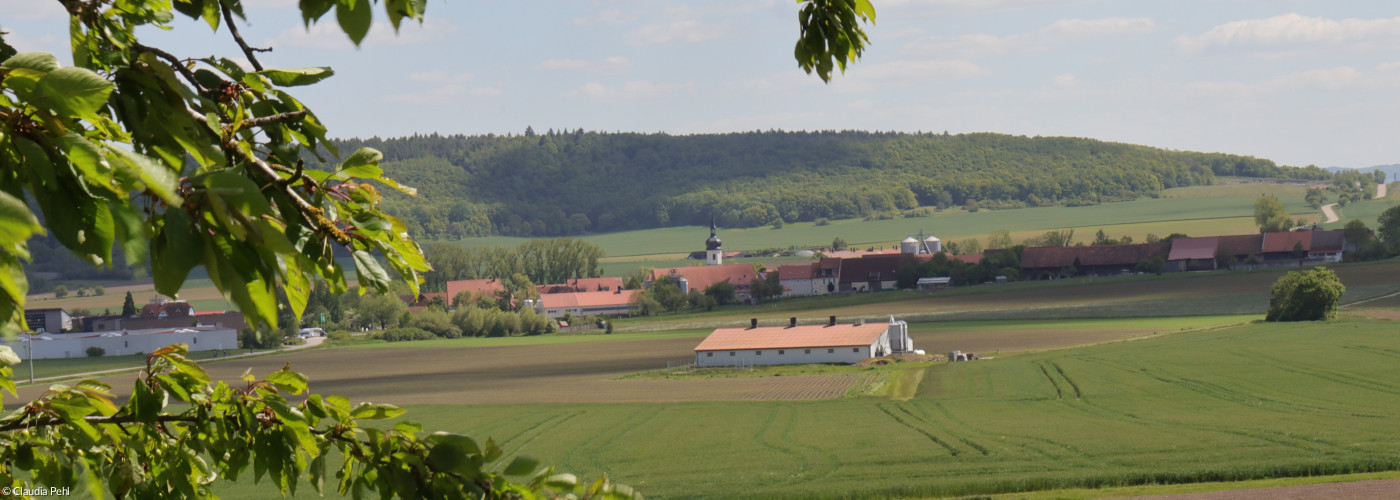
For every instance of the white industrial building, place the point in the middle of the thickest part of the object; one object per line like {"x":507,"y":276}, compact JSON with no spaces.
{"x":75,"y":345}
{"x":802,"y":344}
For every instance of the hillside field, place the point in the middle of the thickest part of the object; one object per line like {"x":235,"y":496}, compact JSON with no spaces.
{"x":1243,"y":402}
{"x":1195,"y":211}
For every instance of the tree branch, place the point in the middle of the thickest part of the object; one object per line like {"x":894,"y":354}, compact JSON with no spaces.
{"x":120,"y":419}
{"x":312,"y":215}
{"x":176,"y":64}
{"x":277,"y":118}
{"x":233,"y":29}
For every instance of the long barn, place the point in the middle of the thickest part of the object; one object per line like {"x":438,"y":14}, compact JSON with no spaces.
{"x":801,"y":344}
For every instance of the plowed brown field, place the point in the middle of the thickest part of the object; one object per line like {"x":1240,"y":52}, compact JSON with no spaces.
{"x":566,"y":373}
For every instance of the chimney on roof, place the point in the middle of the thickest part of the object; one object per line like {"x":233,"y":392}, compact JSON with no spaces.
{"x":860,"y":321}
{"x":832,"y":321}
{"x":792,"y":322}
{"x":753,"y":323}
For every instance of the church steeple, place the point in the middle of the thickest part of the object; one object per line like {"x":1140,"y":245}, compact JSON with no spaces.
{"x":714,"y":255}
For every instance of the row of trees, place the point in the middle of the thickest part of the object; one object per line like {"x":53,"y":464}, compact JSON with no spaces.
{"x":766,"y":178}
{"x":541,"y":261}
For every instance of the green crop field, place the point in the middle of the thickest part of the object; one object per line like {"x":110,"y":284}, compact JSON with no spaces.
{"x":1238,"y":403}
{"x":1204,"y":210}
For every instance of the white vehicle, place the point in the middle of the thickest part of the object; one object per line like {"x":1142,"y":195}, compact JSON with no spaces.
{"x":307,"y":333}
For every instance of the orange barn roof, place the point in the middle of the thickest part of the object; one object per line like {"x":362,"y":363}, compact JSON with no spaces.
{"x":782,"y":337}
{"x":476,"y":287}
{"x":1284,"y":242}
{"x":701,"y":277}
{"x":587,"y":299}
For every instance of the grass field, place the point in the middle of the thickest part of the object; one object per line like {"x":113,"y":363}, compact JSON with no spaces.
{"x":1197,"y":211}
{"x":1179,"y":294}
{"x":1239,"y":403}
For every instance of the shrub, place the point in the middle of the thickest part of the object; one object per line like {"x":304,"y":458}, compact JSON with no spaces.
{"x":821,"y":221}
{"x":338,"y":335}
{"x":1305,"y":296}
{"x":406,"y":334}
{"x":96,"y":352}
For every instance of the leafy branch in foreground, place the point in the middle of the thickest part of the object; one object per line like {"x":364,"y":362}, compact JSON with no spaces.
{"x":76,"y":436}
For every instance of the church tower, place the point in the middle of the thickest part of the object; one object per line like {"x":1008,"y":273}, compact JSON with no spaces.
{"x":714,"y":256}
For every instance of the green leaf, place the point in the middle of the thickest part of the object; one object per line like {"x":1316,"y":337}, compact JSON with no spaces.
{"x":161,"y":180}
{"x":371,"y":411}
{"x":354,"y":165}
{"x":178,"y":248}
{"x":192,"y":8}
{"x":522,"y":466}
{"x":76,"y":92}
{"x":17,"y":223}
{"x":211,"y":13}
{"x":297,"y":76}
{"x":355,"y":18}
{"x":288,"y":380}
{"x":369,"y":270}
{"x":38,"y":61}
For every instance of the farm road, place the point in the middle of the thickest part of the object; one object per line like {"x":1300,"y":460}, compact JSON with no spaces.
{"x":1356,"y":490}
{"x":563,"y":373}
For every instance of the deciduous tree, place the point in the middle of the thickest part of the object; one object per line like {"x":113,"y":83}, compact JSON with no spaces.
{"x":1308,"y":295}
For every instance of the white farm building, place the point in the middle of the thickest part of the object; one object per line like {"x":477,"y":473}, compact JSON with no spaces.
{"x":75,"y":345}
{"x":802,"y":344}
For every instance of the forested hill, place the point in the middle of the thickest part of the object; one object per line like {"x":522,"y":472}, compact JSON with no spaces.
{"x":559,"y":183}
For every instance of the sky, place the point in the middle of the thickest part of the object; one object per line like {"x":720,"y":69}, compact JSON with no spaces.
{"x":1298,"y":82}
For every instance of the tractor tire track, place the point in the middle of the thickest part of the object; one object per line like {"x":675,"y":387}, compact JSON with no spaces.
{"x":953,"y":451}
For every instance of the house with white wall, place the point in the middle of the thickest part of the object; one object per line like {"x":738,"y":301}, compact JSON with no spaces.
{"x":802,"y":344}
{"x":75,"y":345}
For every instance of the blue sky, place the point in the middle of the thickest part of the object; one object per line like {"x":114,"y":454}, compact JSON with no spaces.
{"x":1298,"y":82}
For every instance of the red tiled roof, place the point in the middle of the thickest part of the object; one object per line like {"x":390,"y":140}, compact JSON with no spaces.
{"x":971,"y":258}
{"x":854,"y":254}
{"x":781,"y":337}
{"x":1193,"y":248}
{"x":583,"y":285}
{"x":476,"y":287}
{"x":1328,"y":241}
{"x":872,"y":268}
{"x":1284,"y":242}
{"x":171,"y":309}
{"x":587,"y":299}
{"x":701,"y":277}
{"x":798,"y":272}
{"x":1099,"y":255}
{"x":1242,"y":244}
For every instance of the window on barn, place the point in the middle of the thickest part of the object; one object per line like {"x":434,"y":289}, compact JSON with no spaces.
{"x":857,"y":349}
{"x":758,"y":353}
{"x":780,"y":352}
{"x":196,"y":340}
{"x":731,"y":353}
{"x":709,"y":354}
{"x":829,"y":351}
{"x":809,"y":351}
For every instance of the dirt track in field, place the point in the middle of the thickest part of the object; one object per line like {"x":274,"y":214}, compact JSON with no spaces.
{"x":1356,"y":490}
{"x":565,"y":373}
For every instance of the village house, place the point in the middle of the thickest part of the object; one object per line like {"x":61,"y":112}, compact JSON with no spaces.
{"x":595,"y":303}
{"x":1096,"y":260}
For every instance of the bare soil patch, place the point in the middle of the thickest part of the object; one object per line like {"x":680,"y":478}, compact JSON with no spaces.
{"x":565,"y":373}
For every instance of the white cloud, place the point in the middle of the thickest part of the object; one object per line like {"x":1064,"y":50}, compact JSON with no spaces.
{"x":977,"y":5}
{"x":328,"y":35}
{"x":439,"y":77}
{"x":605,"y":17}
{"x":564,"y":64}
{"x":687,"y":30}
{"x":1062,"y":31}
{"x":609,"y":65}
{"x":1065,"y":81}
{"x":634,"y":88}
{"x":1294,"y":30}
{"x":918,"y":70}
{"x":442,"y":94}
